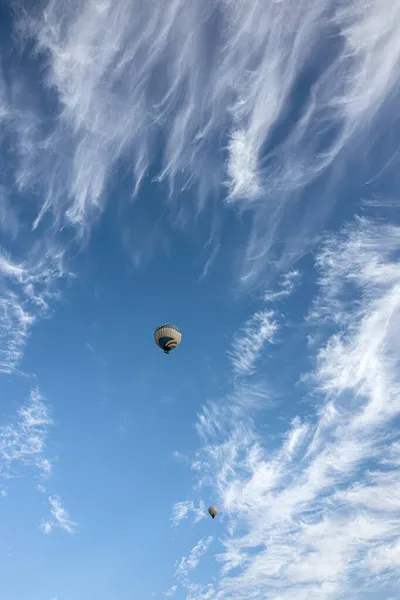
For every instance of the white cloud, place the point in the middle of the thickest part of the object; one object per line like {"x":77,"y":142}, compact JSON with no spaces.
{"x":46,"y":527}
{"x":316,"y":516}
{"x":59,"y":517}
{"x":182,"y":510}
{"x":117,"y":102}
{"x":26,"y":292}
{"x":243,"y":167}
{"x":15,"y":323}
{"x":106,"y":66}
{"x":287,"y":286}
{"x":23,"y":442}
{"x":188,"y":563}
{"x":23,"y":445}
{"x":347,"y":94}
{"x":244,"y":84}
{"x":209,"y":262}
{"x":363,"y":357}
{"x":171,"y":591}
{"x":249,"y":342}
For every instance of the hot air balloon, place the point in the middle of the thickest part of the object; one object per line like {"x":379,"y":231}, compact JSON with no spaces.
{"x":213,"y":511}
{"x":167,"y":337}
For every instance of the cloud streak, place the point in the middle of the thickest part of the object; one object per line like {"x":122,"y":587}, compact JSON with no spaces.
{"x":23,"y":446}
{"x":248,"y":344}
{"x":316,"y":516}
{"x":190,"y":562}
{"x":195,"y":94}
{"x":171,"y":591}
{"x":187,"y":564}
{"x":59,"y":518}
{"x":115,"y":100}
{"x":27,"y":291}
{"x":23,"y":443}
{"x":182,"y":510}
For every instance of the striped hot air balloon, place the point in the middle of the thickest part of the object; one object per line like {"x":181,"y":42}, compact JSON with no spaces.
{"x":167,"y":337}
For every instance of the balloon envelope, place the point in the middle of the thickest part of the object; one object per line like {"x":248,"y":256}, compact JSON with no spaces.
{"x":167,"y":337}
{"x":213,"y":511}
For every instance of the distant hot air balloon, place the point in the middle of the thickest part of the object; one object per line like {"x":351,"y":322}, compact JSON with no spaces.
{"x":213,"y":511}
{"x":167,"y":337}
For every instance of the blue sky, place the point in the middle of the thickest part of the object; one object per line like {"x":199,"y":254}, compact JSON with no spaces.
{"x":232,"y":169}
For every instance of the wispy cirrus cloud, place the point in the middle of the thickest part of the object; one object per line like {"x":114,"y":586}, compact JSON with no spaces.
{"x":182,"y":510}
{"x":213,"y":119}
{"x":216,"y":113}
{"x":171,"y":591}
{"x":59,"y":518}
{"x":247,"y":348}
{"x":287,"y":285}
{"x":210,"y":260}
{"x":216,"y":417}
{"x":249,"y":342}
{"x":23,"y":441}
{"x":15,"y":325}
{"x":188,"y":563}
{"x":316,"y":516}
{"x":27,"y":290}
